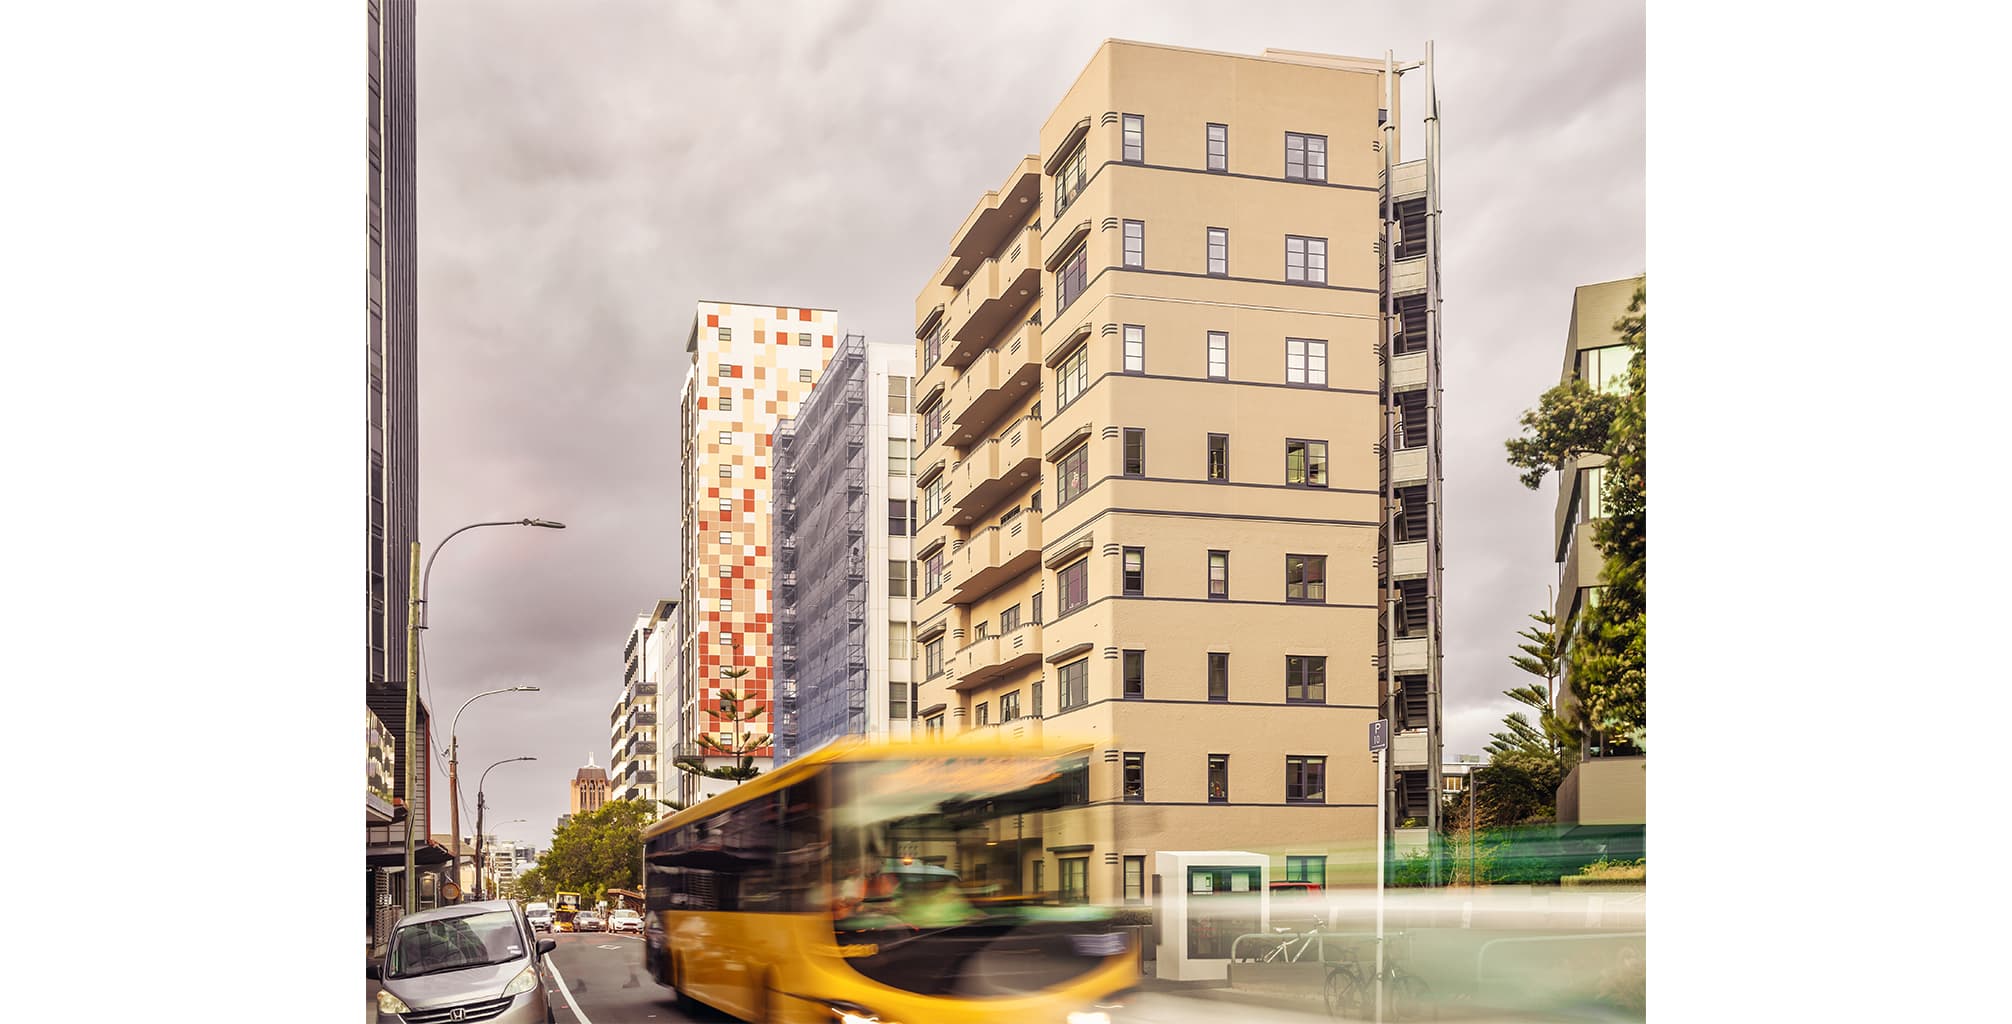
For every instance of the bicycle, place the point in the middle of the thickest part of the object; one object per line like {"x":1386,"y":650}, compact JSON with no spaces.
{"x":1348,"y":992}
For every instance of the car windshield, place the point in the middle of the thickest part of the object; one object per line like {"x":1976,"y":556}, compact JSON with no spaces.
{"x":452,"y":943}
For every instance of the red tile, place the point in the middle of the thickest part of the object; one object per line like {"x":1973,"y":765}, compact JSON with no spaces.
{"x":803,"y":314}
{"x":712,"y":320}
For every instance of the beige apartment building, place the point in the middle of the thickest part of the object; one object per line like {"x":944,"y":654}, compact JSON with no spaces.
{"x":1178,"y":403}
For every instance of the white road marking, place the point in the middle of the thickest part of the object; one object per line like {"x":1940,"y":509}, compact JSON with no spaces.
{"x":566,"y":991}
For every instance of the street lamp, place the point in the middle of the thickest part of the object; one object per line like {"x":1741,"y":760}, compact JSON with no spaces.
{"x":453,"y":768}
{"x":415,"y":612}
{"x":480,"y":803}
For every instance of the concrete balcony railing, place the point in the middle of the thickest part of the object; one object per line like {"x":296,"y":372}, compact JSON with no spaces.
{"x":994,"y":556}
{"x":999,"y":289}
{"x":1407,"y":559}
{"x":1408,"y":655}
{"x":986,"y":659}
{"x":997,"y":382}
{"x":993,"y":470}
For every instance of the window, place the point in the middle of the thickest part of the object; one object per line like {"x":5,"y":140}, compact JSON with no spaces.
{"x":897,"y":456}
{"x":897,"y":578}
{"x":897,"y":640}
{"x":1305,"y":463}
{"x":726,"y":334}
{"x":1134,"y":776}
{"x":1034,"y":700}
{"x":933,"y":497}
{"x":1603,"y":369}
{"x":1219,"y":147}
{"x":1070,"y":177}
{"x":726,"y":403}
{"x":726,"y":437}
{"x":1009,"y":620}
{"x":1135,"y":452}
{"x":1305,"y":157}
{"x":1305,"y":361}
{"x":1306,"y":869}
{"x":1219,"y":778}
{"x":803,"y":340}
{"x":932,"y":424}
{"x":1034,"y":607}
{"x":1219,"y":456}
{"x":1219,"y":575}
{"x":1072,"y":378}
{"x":726,"y":504}
{"x":899,"y":512}
{"x":982,"y":714}
{"x":729,"y":370}
{"x":1219,"y":355}
{"x":1305,"y":780}
{"x":932,"y":658}
{"x":1306,"y":578}
{"x":803,"y":375}
{"x":1135,"y":571}
{"x":1073,"y":680}
{"x":1135,"y":675}
{"x":726,"y":471}
{"x":981,"y":630}
{"x":932,"y":348}
{"x":1072,"y":278}
{"x":1306,"y":259}
{"x":1135,"y":348}
{"x":1072,"y":474}
{"x":1592,"y":487}
{"x":1009,"y":707}
{"x":1219,"y":675}
{"x":1135,"y":879}
{"x":1219,"y":252}
{"x":1074,"y":583}
{"x":1075,"y":872}
{"x":1135,"y":243}
{"x":1134,"y":139}
{"x":1305,"y":679}
{"x":1039,"y":871}
{"x":897,"y":394}
{"x":932,"y":574}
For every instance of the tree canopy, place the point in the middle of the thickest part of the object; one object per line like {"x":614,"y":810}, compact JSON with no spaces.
{"x":596,"y":851}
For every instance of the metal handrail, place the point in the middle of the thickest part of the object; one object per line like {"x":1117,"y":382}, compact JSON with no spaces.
{"x":1277,"y":938}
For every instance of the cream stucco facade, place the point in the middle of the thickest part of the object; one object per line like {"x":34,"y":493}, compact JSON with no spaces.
{"x":1161,"y":475}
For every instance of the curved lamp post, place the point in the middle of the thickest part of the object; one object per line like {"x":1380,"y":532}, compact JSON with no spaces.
{"x":415,"y":614}
{"x":479,"y":806}
{"x":454,"y":766}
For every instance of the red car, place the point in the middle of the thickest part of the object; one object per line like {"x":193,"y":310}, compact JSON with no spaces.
{"x":1298,"y":904}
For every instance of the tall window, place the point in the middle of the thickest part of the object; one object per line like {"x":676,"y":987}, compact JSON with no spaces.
{"x":726,"y":403}
{"x":1072,"y":278}
{"x":932,"y":658}
{"x":1603,"y":369}
{"x":897,"y":578}
{"x":1009,"y":620}
{"x":1306,"y":578}
{"x":932,"y":347}
{"x":1592,"y":487}
{"x":1135,"y":776}
{"x":1034,"y":701}
{"x":1135,"y":348}
{"x":1075,"y":879}
{"x":933,"y":497}
{"x":1305,"y":157}
{"x":1034,"y":608}
{"x":1305,"y":361}
{"x":1135,"y":139}
{"x":1070,"y":177}
{"x":1219,"y":147}
{"x":1219,"y":778}
{"x":1072,"y":378}
{"x":1219,"y":575}
{"x":1305,"y":463}
{"x":1306,"y":869}
{"x":1135,"y":451}
{"x":1074,"y":583}
{"x":982,"y":714}
{"x":1135,"y":571}
{"x":803,"y":340}
{"x":1305,"y":679}
{"x":1072,"y":474}
{"x":1219,"y":252}
{"x":897,"y":640}
{"x":1219,"y":456}
{"x":1135,"y":879}
{"x":897,"y":456}
{"x":1009,"y":707}
{"x":932,"y":574}
{"x":1219,"y":355}
{"x":1305,"y":779}
{"x":1135,"y":243}
{"x":932,"y":424}
{"x":1219,"y":675}
{"x":1306,"y":259}
{"x":897,"y":393}
{"x":932,"y":726}
{"x":900,"y":514}
{"x":1073,"y":680}
{"x":1135,"y":675}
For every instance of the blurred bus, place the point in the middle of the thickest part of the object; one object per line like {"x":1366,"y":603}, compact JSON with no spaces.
{"x":566,"y":905}
{"x":866,"y":882}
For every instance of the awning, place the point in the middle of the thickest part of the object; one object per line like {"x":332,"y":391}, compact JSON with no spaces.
{"x":425,"y":855}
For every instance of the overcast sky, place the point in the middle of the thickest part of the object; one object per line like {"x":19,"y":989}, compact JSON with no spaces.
{"x":589,"y":171}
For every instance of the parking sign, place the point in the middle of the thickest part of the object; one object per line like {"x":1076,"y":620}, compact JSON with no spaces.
{"x":1379,"y":735}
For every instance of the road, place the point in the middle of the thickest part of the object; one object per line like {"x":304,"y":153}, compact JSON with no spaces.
{"x":606,"y":983}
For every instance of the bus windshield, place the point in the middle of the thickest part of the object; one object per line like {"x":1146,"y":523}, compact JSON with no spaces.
{"x":932,"y":869}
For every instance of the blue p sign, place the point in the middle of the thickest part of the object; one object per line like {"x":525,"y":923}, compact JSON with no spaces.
{"x":1379,"y":735}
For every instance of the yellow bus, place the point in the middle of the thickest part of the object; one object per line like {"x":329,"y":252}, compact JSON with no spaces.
{"x":564,"y":906}
{"x":866,"y":883}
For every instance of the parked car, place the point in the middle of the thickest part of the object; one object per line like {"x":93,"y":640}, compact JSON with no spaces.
{"x":540,"y":917}
{"x":589,"y":921}
{"x":476,"y":961}
{"x":626,"y":921}
{"x":1298,"y":905}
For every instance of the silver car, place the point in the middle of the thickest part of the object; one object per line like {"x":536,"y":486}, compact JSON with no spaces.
{"x":468,"y":962}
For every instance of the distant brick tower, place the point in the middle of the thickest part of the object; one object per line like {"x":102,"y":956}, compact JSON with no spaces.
{"x":589,"y":786}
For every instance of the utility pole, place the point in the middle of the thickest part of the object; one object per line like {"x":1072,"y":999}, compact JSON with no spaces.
{"x":412,"y":737}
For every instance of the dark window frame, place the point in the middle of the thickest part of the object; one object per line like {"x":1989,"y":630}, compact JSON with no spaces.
{"x":1306,"y":462}
{"x":1214,"y":554}
{"x":1301,"y":678}
{"x":1073,"y":467}
{"x":1132,"y":777}
{"x":1311,"y":766}
{"x":1080,"y":569}
{"x":1306,"y":255}
{"x":1218,"y":660}
{"x":1305,"y":157}
{"x":1125,"y":246}
{"x":1134,"y":462}
{"x":1131,"y":137}
{"x":1132,"y":581}
{"x":1217,"y":790}
{"x":1132,"y":674}
{"x":1209,"y":257}
{"x":1209,"y":355}
{"x":1209,"y":141}
{"x":1077,"y":687}
{"x":1307,"y":582}
{"x":1218,"y":470}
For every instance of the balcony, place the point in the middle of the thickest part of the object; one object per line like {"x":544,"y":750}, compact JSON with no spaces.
{"x":1408,"y":655}
{"x":643,"y":720}
{"x":1407,"y":466}
{"x":994,"y":556}
{"x":996,"y":382}
{"x":992,"y":221}
{"x":982,"y":661}
{"x":1408,"y":749}
{"x":995,"y":469}
{"x":1407,"y":559}
{"x":1002,"y":289}
{"x":646,"y":689}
